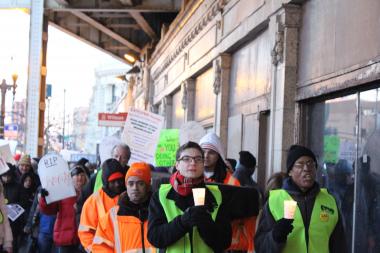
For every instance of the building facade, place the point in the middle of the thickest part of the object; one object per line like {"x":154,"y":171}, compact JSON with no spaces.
{"x":264,"y":75}
{"x":107,"y":94}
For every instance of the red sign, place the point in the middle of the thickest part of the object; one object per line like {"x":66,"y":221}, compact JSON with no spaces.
{"x":112,"y":119}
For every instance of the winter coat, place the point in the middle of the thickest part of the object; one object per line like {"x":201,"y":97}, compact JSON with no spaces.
{"x":131,"y":223}
{"x":264,"y":241}
{"x":95,"y":207}
{"x":65,"y":227}
{"x":162,"y":233}
{"x":5,"y":229}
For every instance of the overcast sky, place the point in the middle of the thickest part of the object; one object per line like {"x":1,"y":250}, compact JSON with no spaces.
{"x":70,"y":62}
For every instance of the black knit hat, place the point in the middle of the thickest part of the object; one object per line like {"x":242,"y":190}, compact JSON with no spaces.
{"x":247,"y":159}
{"x":77,"y":170}
{"x":109,"y":167}
{"x":295,"y":152}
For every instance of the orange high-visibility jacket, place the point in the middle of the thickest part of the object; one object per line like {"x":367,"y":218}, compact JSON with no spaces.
{"x":121,"y":234}
{"x":243,"y":230}
{"x":95,"y":207}
{"x":231,"y":180}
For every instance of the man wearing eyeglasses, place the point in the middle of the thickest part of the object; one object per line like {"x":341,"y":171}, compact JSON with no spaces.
{"x":175,"y":223}
{"x":317,"y":223}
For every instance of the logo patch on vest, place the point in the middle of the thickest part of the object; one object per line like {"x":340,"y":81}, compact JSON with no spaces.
{"x":327,"y":209}
{"x":324,"y":216}
{"x":325,"y":213}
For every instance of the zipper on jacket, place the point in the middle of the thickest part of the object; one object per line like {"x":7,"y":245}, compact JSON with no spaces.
{"x":306,"y":230}
{"x":142,"y":232}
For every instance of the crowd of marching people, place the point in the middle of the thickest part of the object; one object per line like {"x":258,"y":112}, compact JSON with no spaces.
{"x":122,"y":207}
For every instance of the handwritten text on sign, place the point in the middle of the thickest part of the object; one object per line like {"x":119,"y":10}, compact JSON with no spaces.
{"x":55,"y":177}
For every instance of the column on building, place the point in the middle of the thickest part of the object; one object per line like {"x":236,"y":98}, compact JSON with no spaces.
{"x":222,"y":69}
{"x":188,"y":98}
{"x":285,"y":27}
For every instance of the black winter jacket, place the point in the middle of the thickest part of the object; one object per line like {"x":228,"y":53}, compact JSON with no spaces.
{"x":162,"y":233}
{"x":264,"y":241}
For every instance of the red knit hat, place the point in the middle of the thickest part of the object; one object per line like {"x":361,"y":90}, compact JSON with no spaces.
{"x":141,"y":170}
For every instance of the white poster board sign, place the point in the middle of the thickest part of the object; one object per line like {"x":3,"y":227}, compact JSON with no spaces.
{"x":141,"y":133}
{"x":6,"y":154}
{"x":55,"y":177}
{"x":106,"y":146}
{"x":14,"y":211}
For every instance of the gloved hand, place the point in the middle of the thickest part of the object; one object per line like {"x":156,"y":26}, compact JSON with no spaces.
{"x":282,"y":229}
{"x":192,"y":216}
{"x":44,"y":192}
{"x":202,"y":217}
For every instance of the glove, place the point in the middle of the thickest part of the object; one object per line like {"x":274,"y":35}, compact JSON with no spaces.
{"x":282,"y":229}
{"x":201,"y":217}
{"x":44,"y":192}
{"x":192,"y":215}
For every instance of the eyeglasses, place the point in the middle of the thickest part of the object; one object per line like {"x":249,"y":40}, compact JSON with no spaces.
{"x":188,"y":159}
{"x":301,"y":165}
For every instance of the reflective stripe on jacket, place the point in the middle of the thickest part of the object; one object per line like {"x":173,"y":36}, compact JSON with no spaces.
{"x":323,"y":220}
{"x":183,"y":245}
{"x":95,"y":207}
{"x":121,"y":234}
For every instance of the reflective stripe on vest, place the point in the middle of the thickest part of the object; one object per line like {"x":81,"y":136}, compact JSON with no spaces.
{"x":99,"y":205}
{"x":172,"y":211}
{"x":117,"y":240}
{"x":323,"y":220}
{"x":113,"y":214}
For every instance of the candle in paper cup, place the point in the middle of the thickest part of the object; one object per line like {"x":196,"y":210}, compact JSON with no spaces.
{"x":199,"y":196}
{"x":289,"y":209}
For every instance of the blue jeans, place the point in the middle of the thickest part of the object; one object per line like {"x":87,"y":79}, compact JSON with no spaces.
{"x":45,"y":243}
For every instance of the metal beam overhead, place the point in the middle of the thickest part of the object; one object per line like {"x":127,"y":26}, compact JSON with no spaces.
{"x":106,"y":30}
{"x":144,"y":24}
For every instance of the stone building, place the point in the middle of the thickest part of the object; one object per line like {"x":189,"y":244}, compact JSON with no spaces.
{"x":267,"y":74}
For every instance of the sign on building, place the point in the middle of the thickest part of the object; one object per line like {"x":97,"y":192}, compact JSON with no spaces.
{"x":112,"y":119}
{"x":11,"y":131}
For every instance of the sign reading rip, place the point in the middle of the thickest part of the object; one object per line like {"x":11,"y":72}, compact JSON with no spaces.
{"x":55,"y":177}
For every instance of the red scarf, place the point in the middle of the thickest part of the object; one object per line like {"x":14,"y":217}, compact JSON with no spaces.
{"x":183,"y":186}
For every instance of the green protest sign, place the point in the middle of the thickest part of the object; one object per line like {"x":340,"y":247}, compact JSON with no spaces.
{"x":331,"y":145}
{"x":167,"y":147}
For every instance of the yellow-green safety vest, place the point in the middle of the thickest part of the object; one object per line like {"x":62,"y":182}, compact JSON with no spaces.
{"x":324,"y":218}
{"x":98,"y":180}
{"x":172,"y":211}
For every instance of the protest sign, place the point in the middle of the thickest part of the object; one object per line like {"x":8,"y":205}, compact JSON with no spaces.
{"x":14,"y":211}
{"x":6,"y":154}
{"x":55,"y":177}
{"x":167,"y":147}
{"x":106,"y":146}
{"x":331,"y":144}
{"x":141,"y":133}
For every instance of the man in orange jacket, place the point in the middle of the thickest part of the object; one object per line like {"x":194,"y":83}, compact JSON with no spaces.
{"x":101,"y":201}
{"x":124,"y":228}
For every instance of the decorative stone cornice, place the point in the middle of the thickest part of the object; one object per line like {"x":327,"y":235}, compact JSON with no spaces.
{"x":207,"y":18}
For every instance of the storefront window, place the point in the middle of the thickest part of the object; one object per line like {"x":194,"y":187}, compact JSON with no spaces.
{"x":345,"y":134}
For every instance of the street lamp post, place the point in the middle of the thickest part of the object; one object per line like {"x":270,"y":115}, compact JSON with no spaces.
{"x":4,"y":87}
